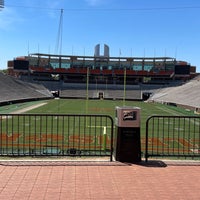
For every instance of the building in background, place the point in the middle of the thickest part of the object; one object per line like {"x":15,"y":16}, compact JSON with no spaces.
{"x":102,"y":68}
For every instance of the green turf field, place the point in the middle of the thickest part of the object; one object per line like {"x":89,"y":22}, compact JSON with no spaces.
{"x":107,"y":107}
{"x":81,"y":106}
{"x":37,"y":132}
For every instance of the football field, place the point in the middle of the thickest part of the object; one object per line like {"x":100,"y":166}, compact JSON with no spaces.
{"x":58,"y":125}
{"x":107,"y":107}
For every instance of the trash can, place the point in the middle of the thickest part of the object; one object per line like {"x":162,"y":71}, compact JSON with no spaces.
{"x":127,"y":147}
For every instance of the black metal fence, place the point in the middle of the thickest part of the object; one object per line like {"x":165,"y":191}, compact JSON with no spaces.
{"x":176,"y":136}
{"x":92,"y":135}
{"x":56,"y":135}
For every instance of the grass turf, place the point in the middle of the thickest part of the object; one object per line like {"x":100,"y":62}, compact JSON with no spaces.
{"x":107,"y":107}
{"x":78,"y":106}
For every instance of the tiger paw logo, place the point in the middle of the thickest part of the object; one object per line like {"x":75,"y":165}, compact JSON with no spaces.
{"x":129,"y":115}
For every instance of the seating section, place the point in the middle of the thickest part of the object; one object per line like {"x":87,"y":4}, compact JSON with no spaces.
{"x":186,"y":94}
{"x":13,"y":89}
{"x":109,"y":94}
{"x":109,"y":91}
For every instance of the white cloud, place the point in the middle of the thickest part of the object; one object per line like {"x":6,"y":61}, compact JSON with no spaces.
{"x":8,"y":18}
{"x":94,"y":2}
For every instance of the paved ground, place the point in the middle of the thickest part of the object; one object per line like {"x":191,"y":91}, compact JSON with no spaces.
{"x":99,"y":180}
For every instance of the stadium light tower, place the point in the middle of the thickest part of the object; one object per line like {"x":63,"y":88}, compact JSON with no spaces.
{"x":1,"y":4}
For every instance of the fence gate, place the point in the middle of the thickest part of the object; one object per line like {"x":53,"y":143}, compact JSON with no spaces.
{"x":56,"y":135}
{"x":176,"y":136}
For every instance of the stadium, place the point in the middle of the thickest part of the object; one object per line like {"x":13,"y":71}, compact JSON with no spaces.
{"x":106,"y":77}
{"x":64,"y":105}
{"x":57,"y":109}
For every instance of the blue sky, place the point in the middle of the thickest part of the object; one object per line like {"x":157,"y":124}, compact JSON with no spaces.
{"x":134,"y":28}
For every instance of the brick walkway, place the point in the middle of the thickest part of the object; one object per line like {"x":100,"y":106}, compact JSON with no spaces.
{"x":99,"y":180}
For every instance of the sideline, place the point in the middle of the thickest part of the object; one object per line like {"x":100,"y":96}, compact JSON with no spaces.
{"x":28,"y":108}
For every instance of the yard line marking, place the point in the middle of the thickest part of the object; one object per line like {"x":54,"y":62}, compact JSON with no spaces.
{"x":99,"y":126}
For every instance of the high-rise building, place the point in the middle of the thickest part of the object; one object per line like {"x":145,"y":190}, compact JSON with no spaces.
{"x":97,"y":51}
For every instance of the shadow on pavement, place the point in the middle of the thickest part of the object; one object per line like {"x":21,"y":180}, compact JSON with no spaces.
{"x":150,"y":163}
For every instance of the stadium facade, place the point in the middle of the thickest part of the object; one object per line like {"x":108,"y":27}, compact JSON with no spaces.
{"x":102,"y":69}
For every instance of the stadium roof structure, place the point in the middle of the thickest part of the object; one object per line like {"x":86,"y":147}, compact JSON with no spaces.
{"x":89,"y":57}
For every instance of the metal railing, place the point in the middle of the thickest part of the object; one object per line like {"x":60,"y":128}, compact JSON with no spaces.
{"x":56,"y":135}
{"x":176,"y":136}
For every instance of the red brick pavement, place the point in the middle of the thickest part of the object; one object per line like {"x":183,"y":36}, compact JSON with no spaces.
{"x":99,"y":181}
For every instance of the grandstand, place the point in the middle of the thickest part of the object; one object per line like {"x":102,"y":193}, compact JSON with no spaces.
{"x":69,"y":76}
{"x":186,"y":95}
{"x":100,"y":91}
{"x":15,"y":90}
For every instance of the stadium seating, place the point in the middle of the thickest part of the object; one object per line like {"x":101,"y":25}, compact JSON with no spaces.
{"x":111,"y":91}
{"x":107,"y":72}
{"x":95,"y":71}
{"x":13,"y":89}
{"x":60,"y":70}
{"x":186,"y":94}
